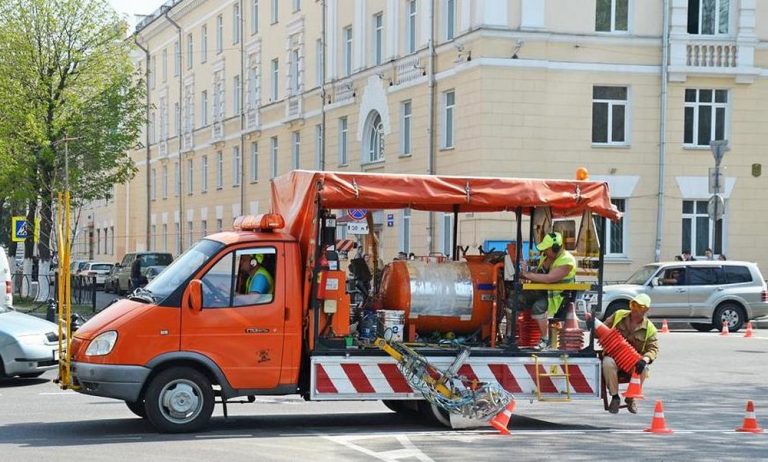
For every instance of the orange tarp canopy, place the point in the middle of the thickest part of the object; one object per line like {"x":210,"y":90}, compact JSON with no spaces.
{"x":298,"y":194}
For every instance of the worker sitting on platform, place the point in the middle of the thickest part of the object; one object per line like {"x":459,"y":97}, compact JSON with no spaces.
{"x":559,"y":266}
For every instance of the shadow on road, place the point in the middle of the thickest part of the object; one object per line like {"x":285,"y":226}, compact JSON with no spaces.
{"x":19,"y":382}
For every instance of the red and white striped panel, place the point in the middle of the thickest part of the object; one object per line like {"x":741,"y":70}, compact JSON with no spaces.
{"x":338,"y":378}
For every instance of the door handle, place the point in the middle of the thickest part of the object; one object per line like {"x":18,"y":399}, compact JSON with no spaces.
{"x":680,"y":291}
{"x":720,"y":289}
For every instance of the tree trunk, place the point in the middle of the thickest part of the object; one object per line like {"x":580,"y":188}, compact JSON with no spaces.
{"x":44,"y":249}
{"x":29,"y":251}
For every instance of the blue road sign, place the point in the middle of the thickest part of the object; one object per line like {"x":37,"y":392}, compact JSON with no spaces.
{"x":357,"y":214}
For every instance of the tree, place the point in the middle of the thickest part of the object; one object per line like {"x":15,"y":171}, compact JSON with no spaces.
{"x":65,"y":74}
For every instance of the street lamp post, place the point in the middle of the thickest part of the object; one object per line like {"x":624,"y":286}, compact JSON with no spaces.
{"x":719,"y":148}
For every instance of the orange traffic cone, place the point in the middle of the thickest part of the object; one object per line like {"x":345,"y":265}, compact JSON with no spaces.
{"x":658,"y":424}
{"x":748,"y":332}
{"x":750,"y":421}
{"x":664,"y":327}
{"x":724,"y":332}
{"x":501,"y":420}
{"x":635,"y":388}
{"x":570,"y":317}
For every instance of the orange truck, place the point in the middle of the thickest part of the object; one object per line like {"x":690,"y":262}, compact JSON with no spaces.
{"x":195,"y":336}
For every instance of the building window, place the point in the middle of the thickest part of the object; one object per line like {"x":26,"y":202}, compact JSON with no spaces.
{"x":165,"y":182}
{"x":375,"y":138}
{"x":319,"y":60}
{"x":273,"y":158}
{"x":204,"y":108}
{"x":697,"y":228}
{"x":449,"y":104}
{"x":318,"y":147}
{"x":405,"y":127}
{"x":176,"y":59}
{"x":165,"y":237}
{"x":177,"y":118}
{"x":705,"y":116}
{"x":378,"y":38}
{"x":410,"y":32}
{"x":165,"y":64}
{"x":616,"y":233}
{"x":708,"y":17}
{"x":152,"y":128}
{"x":254,"y":17}
{"x":254,"y":162}
{"x":219,"y":170}
{"x":219,"y":34}
{"x":153,"y":184}
{"x":153,"y":233}
{"x":204,"y":43}
{"x":190,"y":234}
{"x":236,"y":24}
{"x":405,"y":231}
{"x":236,"y":93}
{"x":447,"y":235}
{"x":275,"y":78}
{"x":612,"y":15}
{"x":176,"y":179}
{"x":343,"y":132}
{"x":296,"y":150}
{"x":609,"y":113}
{"x":204,"y":175}
{"x":275,"y":13}
{"x":236,"y":166}
{"x":190,"y":177}
{"x":293,"y":68}
{"x":178,"y":239}
{"x":190,"y":51}
{"x":219,"y":225}
{"x":203,"y":228}
{"x":450,"y":19}
{"x":296,"y":5}
{"x":347,"y":60}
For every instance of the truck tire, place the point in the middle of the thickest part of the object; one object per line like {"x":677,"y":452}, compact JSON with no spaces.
{"x":404,"y":407}
{"x":732,"y":313}
{"x":434,"y":414}
{"x":138,"y":408}
{"x":179,"y":400}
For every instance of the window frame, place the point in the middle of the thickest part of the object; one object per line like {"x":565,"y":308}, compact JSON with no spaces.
{"x":190,"y":51}
{"x":699,"y":212}
{"x":254,"y":172}
{"x":613,"y":18}
{"x":219,"y":34}
{"x":219,"y":170}
{"x":204,"y":174}
{"x":410,"y":26}
{"x":378,"y":38}
{"x":236,"y":159}
{"x":254,"y":17}
{"x":296,"y":149}
{"x":274,"y":156}
{"x":609,"y":124}
{"x":204,"y":108}
{"x":204,"y":43}
{"x":450,"y":20}
{"x":406,"y":128}
{"x":696,"y":107}
{"x":275,"y":83}
{"x":448,"y":122}
{"x":343,"y":141}
{"x":190,"y":177}
{"x":716,"y":20}
{"x":346,"y":60}
{"x":236,"y":23}
{"x":274,"y":14}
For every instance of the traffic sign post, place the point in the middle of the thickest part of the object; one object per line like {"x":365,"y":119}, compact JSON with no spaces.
{"x":719,"y":148}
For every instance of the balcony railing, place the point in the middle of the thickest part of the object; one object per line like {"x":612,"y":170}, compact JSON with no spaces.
{"x":218,"y":130}
{"x":293,"y":106}
{"x":408,"y":69}
{"x":252,"y":118}
{"x":343,"y":91}
{"x":717,"y":55}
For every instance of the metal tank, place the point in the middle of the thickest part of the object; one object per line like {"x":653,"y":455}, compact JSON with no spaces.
{"x":445,"y":297}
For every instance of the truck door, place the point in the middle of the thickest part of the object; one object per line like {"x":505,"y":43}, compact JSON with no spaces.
{"x":241,"y":323}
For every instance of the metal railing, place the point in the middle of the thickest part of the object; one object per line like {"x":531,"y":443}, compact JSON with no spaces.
{"x":39,"y":288}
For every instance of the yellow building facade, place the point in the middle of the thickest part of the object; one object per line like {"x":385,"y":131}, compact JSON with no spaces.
{"x":242,"y":91}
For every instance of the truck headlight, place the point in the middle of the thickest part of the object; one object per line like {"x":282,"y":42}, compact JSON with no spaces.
{"x":102,"y":344}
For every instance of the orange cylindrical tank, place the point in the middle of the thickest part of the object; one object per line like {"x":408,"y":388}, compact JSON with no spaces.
{"x":445,"y":297}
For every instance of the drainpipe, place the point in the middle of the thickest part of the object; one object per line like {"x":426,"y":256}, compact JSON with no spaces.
{"x":181,"y":100}
{"x":431,"y":122}
{"x":242,"y":109}
{"x":146,"y":133}
{"x":662,"y":130}
{"x":323,"y":37}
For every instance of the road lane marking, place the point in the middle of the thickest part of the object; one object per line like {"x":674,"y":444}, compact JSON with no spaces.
{"x":69,"y":393}
{"x":408,"y":451}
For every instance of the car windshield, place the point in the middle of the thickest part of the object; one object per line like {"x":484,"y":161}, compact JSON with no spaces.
{"x":182,"y":269}
{"x":101,"y":267}
{"x":155,"y":259}
{"x":642,"y":275}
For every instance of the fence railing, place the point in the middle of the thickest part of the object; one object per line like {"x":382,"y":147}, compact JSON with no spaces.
{"x":39,"y":288}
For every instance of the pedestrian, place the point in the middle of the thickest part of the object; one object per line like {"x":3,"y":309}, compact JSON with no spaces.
{"x":722,"y":257}
{"x":687,"y":255}
{"x":708,"y":254}
{"x":136,"y":278}
{"x":401,"y":256}
{"x":640,"y":333}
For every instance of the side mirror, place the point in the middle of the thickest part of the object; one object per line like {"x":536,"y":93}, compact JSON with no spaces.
{"x":655,"y":282}
{"x":193,"y":295}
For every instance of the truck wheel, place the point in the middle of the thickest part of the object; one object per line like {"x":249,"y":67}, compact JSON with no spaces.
{"x":138,"y":408}
{"x":404,"y":407}
{"x":434,"y":413}
{"x":179,"y":400}
{"x":732,"y":313}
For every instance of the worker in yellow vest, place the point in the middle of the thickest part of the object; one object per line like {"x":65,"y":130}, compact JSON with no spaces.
{"x":556,"y":265}
{"x":639,"y":332}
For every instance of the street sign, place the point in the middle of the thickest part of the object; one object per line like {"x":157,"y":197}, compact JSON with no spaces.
{"x":716,"y":177}
{"x":716,"y":205}
{"x":357,"y":214}
{"x":719,"y":148}
{"x":20,"y":230}
{"x":357,"y":228}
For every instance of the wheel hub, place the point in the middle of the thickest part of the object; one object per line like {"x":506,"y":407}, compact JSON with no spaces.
{"x":180,"y":401}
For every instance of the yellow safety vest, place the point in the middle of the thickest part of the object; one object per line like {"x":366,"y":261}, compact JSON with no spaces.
{"x":650,"y":330}
{"x":555,"y":297}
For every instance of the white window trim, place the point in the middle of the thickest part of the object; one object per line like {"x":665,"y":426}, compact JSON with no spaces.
{"x":612,"y":29}
{"x":446,"y":234}
{"x":444,"y":121}
{"x":219,"y":169}
{"x":624,"y":230}
{"x":274,"y":156}
{"x":731,"y":20}
{"x":406,"y":138}
{"x":377,"y":48}
{"x":695,"y":105}
{"x":343,"y":142}
{"x":405,"y":230}
{"x":627,"y":117}
{"x":236,"y":160}
{"x":296,"y":150}
{"x":204,"y":175}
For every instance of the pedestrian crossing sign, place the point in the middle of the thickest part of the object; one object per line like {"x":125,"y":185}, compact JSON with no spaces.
{"x":21,"y":230}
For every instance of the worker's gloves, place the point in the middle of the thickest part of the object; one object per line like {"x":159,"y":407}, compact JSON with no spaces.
{"x":640,"y":366}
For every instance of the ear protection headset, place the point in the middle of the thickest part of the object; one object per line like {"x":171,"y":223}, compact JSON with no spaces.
{"x":257,"y":259}
{"x":556,"y":243}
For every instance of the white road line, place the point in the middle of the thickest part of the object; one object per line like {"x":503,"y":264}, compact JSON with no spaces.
{"x":69,"y":393}
{"x":408,"y":451}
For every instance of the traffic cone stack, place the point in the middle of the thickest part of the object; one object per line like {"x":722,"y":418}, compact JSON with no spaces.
{"x":664,"y":327}
{"x":528,"y":334}
{"x":724,"y":332}
{"x":616,"y":347}
{"x":658,"y":424}
{"x":635,"y":388}
{"x":571,"y":337}
{"x":501,"y":420}
{"x":750,"y":421}
{"x":748,"y":332}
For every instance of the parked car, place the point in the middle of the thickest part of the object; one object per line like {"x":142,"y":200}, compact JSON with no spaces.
{"x":703,"y":293}
{"x":146,"y":259}
{"x":6,"y":274}
{"x":151,"y":272}
{"x":99,"y":270}
{"x":29,"y":346}
{"x":110,"y":280}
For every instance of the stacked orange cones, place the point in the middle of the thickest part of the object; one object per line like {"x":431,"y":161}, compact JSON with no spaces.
{"x":664,"y":327}
{"x":750,"y":421}
{"x":635,"y":388}
{"x":571,"y":337}
{"x":724,"y":332}
{"x":501,"y":420}
{"x":748,"y":332}
{"x":658,"y":424}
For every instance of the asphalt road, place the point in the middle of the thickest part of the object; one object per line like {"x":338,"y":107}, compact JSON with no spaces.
{"x":704,"y":381}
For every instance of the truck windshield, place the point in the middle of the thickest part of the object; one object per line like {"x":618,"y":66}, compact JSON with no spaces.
{"x":182,"y":269}
{"x":642,"y":275}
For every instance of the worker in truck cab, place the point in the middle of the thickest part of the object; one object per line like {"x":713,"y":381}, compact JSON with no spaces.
{"x":555,"y":266}
{"x":255,"y":284}
{"x":634,"y":326}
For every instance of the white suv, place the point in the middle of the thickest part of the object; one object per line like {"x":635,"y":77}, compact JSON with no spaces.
{"x":702,"y":293}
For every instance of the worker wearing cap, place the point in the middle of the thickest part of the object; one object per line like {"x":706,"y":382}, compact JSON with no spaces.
{"x":639,"y":332}
{"x":560,"y":266}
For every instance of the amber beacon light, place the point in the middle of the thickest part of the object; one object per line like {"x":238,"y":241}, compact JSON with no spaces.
{"x":582,"y":174}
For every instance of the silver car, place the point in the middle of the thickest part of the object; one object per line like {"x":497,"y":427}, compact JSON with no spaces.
{"x":702,"y":293}
{"x":29,"y":346}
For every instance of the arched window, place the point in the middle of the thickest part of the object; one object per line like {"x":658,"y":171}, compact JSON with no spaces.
{"x":373,"y":148}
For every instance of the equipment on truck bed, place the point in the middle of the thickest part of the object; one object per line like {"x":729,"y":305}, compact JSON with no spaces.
{"x":447,"y":389}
